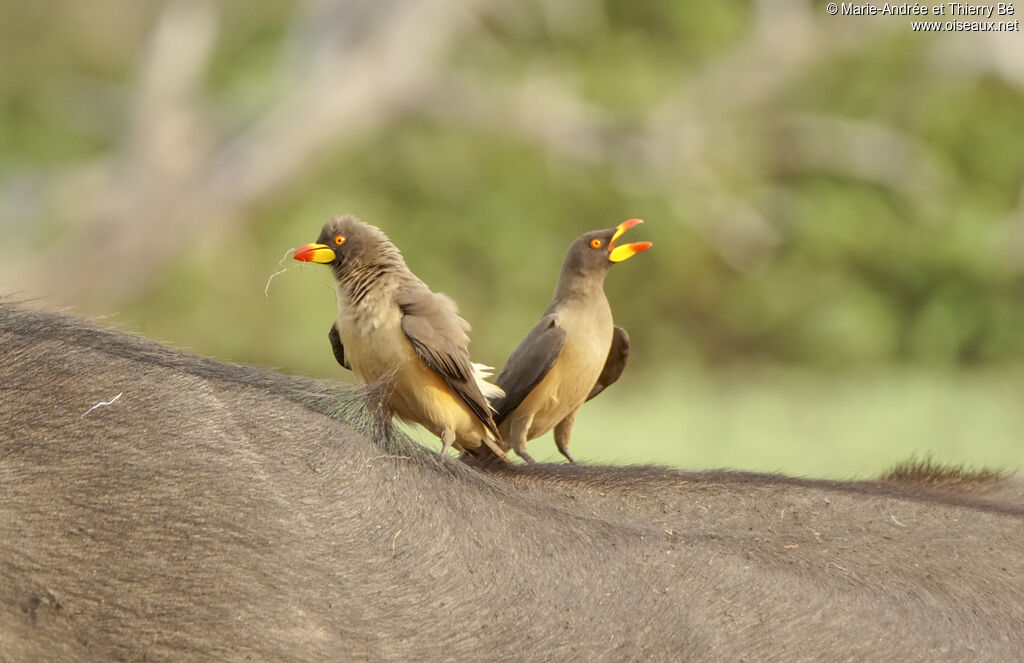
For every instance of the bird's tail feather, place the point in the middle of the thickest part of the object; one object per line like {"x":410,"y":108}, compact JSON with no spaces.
{"x":490,"y":451}
{"x":490,"y":391}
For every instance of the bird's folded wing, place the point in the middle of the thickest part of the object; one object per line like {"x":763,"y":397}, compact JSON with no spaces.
{"x":615,"y":364}
{"x":438,"y":335}
{"x":528,"y":364}
{"x":337,"y":347}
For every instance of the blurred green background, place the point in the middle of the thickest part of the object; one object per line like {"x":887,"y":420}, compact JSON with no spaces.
{"x":837,"y":203}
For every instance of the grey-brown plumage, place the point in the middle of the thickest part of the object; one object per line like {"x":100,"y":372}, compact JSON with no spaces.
{"x":392,"y":327}
{"x":572,"y":354}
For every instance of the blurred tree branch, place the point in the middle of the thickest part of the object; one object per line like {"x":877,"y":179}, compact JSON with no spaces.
{"x":174,"y":173}
{"x":356,"y":68}
{"x":685,"y":141}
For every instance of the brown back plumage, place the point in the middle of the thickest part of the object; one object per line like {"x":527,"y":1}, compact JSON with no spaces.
{"x":437,"y":333}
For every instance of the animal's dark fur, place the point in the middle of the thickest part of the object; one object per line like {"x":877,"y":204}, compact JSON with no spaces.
{"x":216,"y":512}
{"x":928,"y":471}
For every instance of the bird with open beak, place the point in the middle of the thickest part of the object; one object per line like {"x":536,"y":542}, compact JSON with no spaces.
{"x":573,"y":353}
{"x":391,"y":327}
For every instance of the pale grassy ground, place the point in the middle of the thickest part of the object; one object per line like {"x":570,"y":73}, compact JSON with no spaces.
{"x":806,"y":424}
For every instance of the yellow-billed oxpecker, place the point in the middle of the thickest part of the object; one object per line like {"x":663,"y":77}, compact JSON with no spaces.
{"x":573,"y":353}
{"x":390,"y":326}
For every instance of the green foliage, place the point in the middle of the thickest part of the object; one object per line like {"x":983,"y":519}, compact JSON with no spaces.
{"x":862,"y":273}
{"x":771,"y":247}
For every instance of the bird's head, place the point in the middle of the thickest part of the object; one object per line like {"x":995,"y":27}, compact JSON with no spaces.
{"x":595,"y":252}
{"x":344,"y":242}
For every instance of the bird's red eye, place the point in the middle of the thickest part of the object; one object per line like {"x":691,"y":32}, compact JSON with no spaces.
{"x":596,"y":243}
{"x":339,"y":239}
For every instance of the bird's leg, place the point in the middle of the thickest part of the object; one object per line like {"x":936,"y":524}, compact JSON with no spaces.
{"x":563,"y":431}
{"x":447,"y":437}
{"x":517,"y":436}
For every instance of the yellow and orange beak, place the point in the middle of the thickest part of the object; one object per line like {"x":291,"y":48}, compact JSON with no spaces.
{"x":315,"y":253}
{"x":626,"y":251}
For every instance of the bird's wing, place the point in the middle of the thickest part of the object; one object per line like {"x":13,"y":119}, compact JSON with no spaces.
{"x":615,"y":364}
{"x":337,"y":347}
{"x":528,"y":364}
{"x":431,"y":323}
